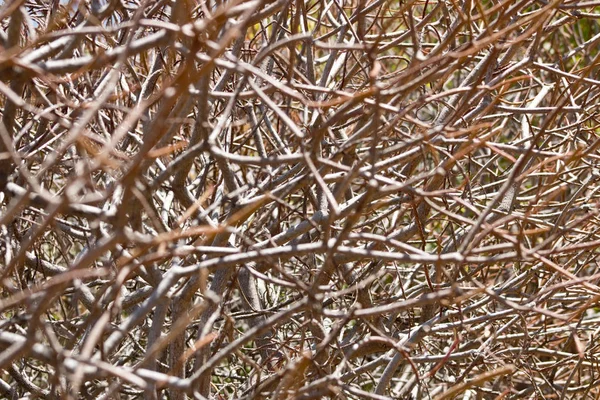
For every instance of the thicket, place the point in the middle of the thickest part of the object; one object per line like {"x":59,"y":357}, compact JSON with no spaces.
{"x":350,"y":199}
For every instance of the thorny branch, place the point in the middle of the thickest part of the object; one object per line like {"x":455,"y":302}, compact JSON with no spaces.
{"x":288,"y":199}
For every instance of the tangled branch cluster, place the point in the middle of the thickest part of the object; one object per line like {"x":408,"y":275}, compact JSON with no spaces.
{"x":299,"y":199}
